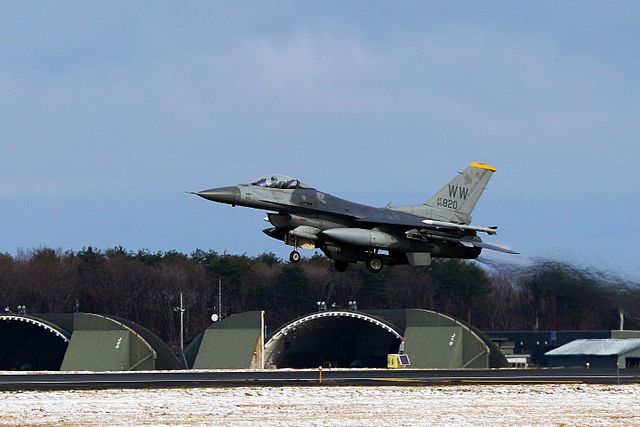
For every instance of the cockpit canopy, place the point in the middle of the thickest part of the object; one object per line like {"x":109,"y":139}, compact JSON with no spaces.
{"x":279,"y":181}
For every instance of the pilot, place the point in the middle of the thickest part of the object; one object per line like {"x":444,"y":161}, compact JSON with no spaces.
{"x":291,"y":184}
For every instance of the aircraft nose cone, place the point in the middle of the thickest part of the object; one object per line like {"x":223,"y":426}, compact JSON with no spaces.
{"x":222,"y":194}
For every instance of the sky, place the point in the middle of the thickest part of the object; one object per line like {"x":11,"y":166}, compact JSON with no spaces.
{"x":110,"y":111}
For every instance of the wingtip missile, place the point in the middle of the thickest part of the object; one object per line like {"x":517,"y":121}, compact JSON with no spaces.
{"x":445,"y":224}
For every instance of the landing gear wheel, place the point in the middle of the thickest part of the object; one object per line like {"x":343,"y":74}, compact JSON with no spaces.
{"x":294,"y":257}
{"x":341,"y":266}
{"x":375,"y":264}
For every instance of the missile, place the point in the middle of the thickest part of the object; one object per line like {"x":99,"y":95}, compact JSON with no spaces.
{"x":363,"y":237}
{"x":462,"y":227}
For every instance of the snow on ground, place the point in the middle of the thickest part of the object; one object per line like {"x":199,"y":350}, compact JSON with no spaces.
{"x":363,"y":406}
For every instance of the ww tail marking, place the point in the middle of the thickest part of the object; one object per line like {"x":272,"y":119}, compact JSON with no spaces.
{"x":462,"y":192}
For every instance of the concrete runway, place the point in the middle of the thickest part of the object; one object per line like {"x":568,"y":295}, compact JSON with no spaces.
{"x":330,"y":377}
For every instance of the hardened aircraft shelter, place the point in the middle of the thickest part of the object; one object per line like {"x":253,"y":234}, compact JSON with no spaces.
{"x":80,"y":342}
{"x":32,"y":343}
{"x":363,"y":339}
{"x":329,"y":338}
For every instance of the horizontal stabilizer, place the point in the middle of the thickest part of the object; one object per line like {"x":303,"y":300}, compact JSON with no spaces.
{"x":484,"y":245}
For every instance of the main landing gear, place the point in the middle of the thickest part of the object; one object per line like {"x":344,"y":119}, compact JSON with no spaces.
{"x":374,"y":264}
{"x":294,"y":257}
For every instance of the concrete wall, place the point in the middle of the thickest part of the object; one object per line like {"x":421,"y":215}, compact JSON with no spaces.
{"x":99,"y":343}
{"x":233,"y":343}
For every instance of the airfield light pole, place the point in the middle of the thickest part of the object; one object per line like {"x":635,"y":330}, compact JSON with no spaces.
{"x":181,"y":309}
{"x":220,"y":298}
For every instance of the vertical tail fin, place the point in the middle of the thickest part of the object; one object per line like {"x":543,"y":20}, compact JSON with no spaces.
{"x":457,"y":199}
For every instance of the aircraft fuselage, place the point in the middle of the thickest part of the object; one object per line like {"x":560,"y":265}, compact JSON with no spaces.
{"x":308,"y":218}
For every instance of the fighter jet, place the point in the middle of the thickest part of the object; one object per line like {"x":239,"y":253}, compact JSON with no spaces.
{"x":348,"y":232}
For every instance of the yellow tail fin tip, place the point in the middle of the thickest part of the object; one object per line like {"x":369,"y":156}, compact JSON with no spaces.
{"x":483,"y":166}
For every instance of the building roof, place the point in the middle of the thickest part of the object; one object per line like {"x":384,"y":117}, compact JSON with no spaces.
{"x":596,"y":347}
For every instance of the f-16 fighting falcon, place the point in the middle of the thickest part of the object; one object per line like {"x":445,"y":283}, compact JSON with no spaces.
{"x":346,"y":232}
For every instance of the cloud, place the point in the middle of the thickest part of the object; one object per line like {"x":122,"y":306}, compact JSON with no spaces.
{"x":333,"y":96}
{"x":462,"y":93}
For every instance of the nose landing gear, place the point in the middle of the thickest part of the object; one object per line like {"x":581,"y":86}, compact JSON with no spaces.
{"x":294,"y":257}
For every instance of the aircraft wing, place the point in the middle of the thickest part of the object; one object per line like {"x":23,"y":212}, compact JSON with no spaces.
{"x":467,"y":241}
{"x":422,"y":229}
{"x":394,"y":218}
{"x":408,"y":220}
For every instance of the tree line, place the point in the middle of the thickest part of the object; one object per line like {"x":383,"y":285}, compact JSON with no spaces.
{"x":144,"y":287}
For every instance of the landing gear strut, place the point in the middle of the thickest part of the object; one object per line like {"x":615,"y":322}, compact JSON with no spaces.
{"x":294,"y":257}
{"x":374,"y":264}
